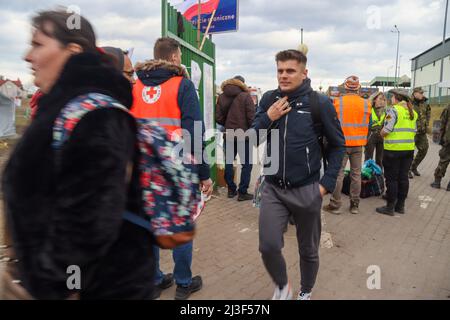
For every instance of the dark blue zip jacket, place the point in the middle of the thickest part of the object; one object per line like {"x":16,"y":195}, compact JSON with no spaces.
{"x":299,"y":150}
{"x":159,"y":73}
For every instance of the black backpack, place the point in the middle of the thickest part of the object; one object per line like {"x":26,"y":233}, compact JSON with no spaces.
{"x":317,"y":121}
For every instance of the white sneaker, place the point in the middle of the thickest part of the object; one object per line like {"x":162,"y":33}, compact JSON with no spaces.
{"x":283,"y":294}
{"x":304,"y":296}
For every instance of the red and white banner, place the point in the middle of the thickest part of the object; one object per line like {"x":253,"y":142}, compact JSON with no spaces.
{"x":189,"y":8}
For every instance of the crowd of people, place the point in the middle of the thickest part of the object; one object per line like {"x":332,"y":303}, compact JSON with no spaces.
{"x":64,"y":205}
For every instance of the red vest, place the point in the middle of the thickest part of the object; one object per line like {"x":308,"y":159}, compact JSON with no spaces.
{"x":159,"y":103}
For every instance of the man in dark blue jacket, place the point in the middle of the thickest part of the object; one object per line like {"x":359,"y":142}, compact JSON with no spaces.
{"x":296,"y":188}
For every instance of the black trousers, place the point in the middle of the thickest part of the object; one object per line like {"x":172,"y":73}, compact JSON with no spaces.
{"x":396,"y":166}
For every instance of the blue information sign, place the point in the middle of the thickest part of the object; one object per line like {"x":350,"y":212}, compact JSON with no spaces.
{"x":226,"y":18}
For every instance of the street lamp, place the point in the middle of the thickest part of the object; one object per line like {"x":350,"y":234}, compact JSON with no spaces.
{"x":441,"y":78}
{"x":398,"y":46}
{"x":387,"y":78}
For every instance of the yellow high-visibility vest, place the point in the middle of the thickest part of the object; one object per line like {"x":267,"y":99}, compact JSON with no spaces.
{"x":378,"y":122}
{"x":402,"y":138}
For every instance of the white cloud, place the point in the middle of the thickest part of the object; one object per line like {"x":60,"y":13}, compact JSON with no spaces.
{"x":340,"y":43}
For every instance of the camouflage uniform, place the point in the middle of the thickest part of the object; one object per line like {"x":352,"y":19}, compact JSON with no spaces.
{"x":423,"y":109}
{"x":444,"y":154}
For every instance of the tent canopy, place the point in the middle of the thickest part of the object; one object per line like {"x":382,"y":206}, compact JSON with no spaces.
{"x":7,"y":117}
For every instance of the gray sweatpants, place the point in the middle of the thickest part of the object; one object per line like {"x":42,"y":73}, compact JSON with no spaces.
{"x":305,"y":205}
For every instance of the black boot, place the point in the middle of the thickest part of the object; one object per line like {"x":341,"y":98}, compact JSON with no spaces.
{"x":436,"y":184}
{"x":388,"y":209}
{"x":448,"y":187}
{"x":400,"y":206}
{"x":232,"y":193}
{"x":416,"y":173}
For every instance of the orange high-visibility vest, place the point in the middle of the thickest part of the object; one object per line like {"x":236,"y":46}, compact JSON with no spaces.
{"x":160,"y":104}
{"x":354,"y":114}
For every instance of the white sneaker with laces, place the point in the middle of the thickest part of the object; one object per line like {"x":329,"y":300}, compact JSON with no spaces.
{"x":304,"y":296}
{"x":283,"y":294}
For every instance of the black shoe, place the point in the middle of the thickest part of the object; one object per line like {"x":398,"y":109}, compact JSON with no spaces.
{"x":436,"y":184}
{"x":400,"y":207}
{"x":245,"y":197}
{"x":183,"y":293}
{"x":448,"y":187}
{"x":232,"y":193}
{"x":410,"y":175}
{"x":416,"y":173}
{"x":166,"y":283}
{"x":388,"y":209}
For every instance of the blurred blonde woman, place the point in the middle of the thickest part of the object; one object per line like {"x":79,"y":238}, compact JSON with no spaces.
{"x":375,"y":141}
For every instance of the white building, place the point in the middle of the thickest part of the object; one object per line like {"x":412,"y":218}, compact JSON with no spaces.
{"x":426,"y":72}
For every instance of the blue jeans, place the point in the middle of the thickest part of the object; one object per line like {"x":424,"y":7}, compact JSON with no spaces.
{"x":182,"y":257}
{"x":246,"y":166}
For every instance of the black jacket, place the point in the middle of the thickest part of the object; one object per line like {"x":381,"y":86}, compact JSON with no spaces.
{"x":299,"y":152}
{"x":73,"y":215}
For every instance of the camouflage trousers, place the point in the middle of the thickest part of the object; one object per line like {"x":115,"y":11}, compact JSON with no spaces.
{"x":422,"y":149}
{"x":444,"y":155}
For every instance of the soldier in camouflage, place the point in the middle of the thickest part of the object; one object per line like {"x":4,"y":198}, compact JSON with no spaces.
{"x":444,"y":154}
{"x":423,"y":109}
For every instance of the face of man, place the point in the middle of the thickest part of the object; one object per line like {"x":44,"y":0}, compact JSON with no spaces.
{"x":176,"y":57}
{"x":291,"y":75}
{"x":419,"y":96}
{"x":128,"y":70}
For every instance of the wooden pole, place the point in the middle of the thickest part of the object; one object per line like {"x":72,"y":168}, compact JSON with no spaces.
{"x":207,"y":29}
{"x":199,"y":13}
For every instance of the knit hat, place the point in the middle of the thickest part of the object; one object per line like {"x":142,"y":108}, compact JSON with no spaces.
{"x":352,"y":83}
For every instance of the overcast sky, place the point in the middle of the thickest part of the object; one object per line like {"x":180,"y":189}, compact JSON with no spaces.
{"x":344,"y":37}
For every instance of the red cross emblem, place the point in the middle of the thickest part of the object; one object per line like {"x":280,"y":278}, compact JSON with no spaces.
{"x":151,"y":94}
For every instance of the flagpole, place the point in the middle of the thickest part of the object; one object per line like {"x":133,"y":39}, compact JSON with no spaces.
{"x":207,"y":29}
{"x":198,"y":22}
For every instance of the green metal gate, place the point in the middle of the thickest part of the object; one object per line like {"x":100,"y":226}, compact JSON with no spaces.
{"x":192,"y":57}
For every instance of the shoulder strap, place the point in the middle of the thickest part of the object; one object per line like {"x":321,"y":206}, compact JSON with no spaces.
{"x":318,"y":125}
{"x":315,"y":113}
{"x":74,"y":111}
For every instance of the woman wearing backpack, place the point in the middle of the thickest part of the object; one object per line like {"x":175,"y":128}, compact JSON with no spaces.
{"x":64,"y":206}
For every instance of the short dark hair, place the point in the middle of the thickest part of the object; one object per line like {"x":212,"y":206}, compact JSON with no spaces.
{"x":165,"y":47}
{"x":291,"y":55}
{"x":240,"y":78}
{"x":59,"y":30}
